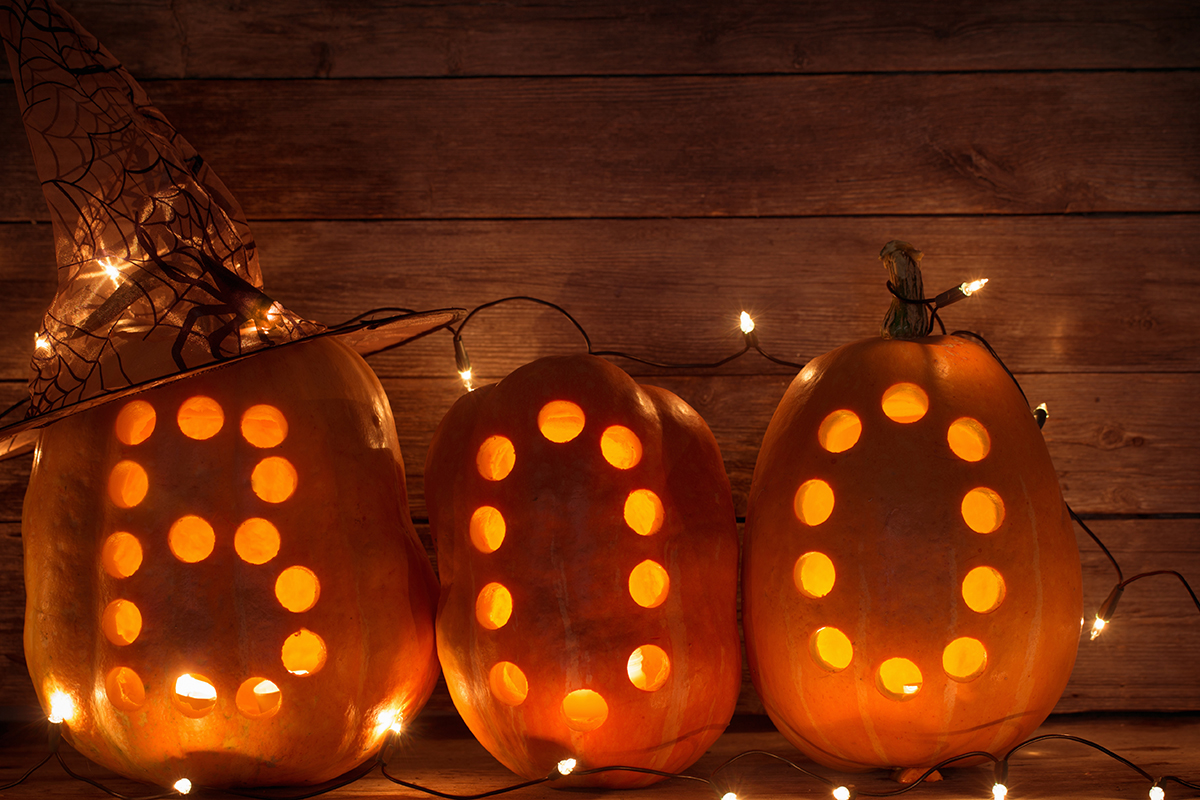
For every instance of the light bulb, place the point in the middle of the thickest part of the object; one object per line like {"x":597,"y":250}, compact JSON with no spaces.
{"x":41,"y":342}
{"x":841,"y":793}
{"x":1098,"y":627}
{"x":183,"y":786}
{"x":971,"y":288}
{"x":999,"y":791}
{"x":466,"y":379}
{"x":747,"y":323}
{"x":1157,"y":793}
{"x":730,"y":795}
{"x":566,"y":766}
{"x":62,"y":708}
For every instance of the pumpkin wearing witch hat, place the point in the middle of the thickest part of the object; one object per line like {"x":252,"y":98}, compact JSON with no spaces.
{"x":222,"y":580}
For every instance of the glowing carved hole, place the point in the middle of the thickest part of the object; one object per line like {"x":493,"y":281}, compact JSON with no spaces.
{"x":128,"y":484}
{"x":831,"y":648}
{"x":814,"y":575}
{"x":256,"y":541}
{"x":839,"y":431}
{"x":264,"y":426}
{"x":121,"y":555}
{"x":494,"y":606}
{"x":303,"y":653}
{"x":964,"y":659}
{"x":560,"y":420}
{"x":905,"y":402}
{"x":121,"y":622}
{"x":495,"y":458}
{"x":585,"y":710}
{"x":982,"y":510}
{"x":200,"y":417}
{"x":649,"y":584}
{"x":648,"y":667}
{"x":643,"y":512}
{"x":899,"y":679}
{"x":620,"y":447}
{"x":983,"y":590}
{"x":257,"y":697}
{"x":487,"y":529}
{"x":124,"y":689}
{"x":968,"y":439}
{"x":135,"y":423}
{"x":508,"y":683}
{"x":297,"y":589}
{"x":814,"y":502}
{"x":194,"y":695}
{"x":273,"y":479}
{"x":191,"y":539}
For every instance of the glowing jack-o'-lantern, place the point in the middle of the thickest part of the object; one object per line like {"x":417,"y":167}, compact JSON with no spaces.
{"x":588,"y":556}
{"x":911,"y":585}
{"x":222,"y":576}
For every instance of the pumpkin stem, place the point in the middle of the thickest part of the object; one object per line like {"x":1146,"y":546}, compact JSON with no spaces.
{"x":905,"y":319}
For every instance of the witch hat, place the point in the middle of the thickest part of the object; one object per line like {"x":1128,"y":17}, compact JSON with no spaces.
{"x":158,"y":274}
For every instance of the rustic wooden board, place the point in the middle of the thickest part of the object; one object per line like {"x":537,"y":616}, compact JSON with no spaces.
{"x":442,"y":754}
{"x":981,"y":143}
{"x":276,"y":39}
{"x":1067,"y":294}
{"x":1120,"y":446}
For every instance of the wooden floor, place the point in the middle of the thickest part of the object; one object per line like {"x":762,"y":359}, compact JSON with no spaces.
{"x":441,"y":754}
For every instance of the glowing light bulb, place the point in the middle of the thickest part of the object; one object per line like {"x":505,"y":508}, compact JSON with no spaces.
{"x":1157,"y":793}
{"x":111,"y":270}
{"x":466,"y":379}
{"x":841,"y":793}
{"x":1098,"y":627}
{"x":747,"y":323}
{"x":566,"y":766}
{"x":183,"y":786}
{"x":971,"y":288}
{"x":999,"y":791}
{"x":729,"y":795}
{"x":62,"y":708}
{"x":41,"y":342}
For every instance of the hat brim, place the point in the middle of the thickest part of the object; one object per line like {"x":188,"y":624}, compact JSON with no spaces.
{"x":364,"y":336}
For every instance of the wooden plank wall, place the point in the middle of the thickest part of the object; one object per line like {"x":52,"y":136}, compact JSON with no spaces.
{"x":657,"y":166}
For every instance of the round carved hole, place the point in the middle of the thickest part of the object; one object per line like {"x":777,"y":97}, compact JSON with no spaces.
{"x":303,"y":653}
{"x":508,"y":683}
{"x":135,"y":422}
{"x":121,"y":555}
{"x":585,"y":710}
{"x":648,"y":667}
{"x":560,"y":421}
{"x":124,"y":689}
{"x":905,"y":402}
{"x":620,"y":447}
{"x":493,"y":606}
{"x":496,"y":458}
{"x":831,"y":648}
{"x":200,"y":417}
{"x":128,"y":484}
{"x":487,"y":529}
{"x":274,"y":479}
{"x":643,"y":512}
{"x":814,"y":502}
{"x":649,"y":584}
{"x":194,"y":695}
{"x":121,"y":622}
{"x":256,"y":541}
{"x":264,"y":426}
{"x":899,"y":679}
{"x":258,"y":698}
{"x":191,"y":539}
{"x":839,"y":431}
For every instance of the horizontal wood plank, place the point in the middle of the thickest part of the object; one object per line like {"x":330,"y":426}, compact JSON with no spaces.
{"x":277,"y":39}
{"x":1013,"y":143}
{"x":1120,"y":446}
{"x":1144,"y":661}
{"x":1067,"y":294}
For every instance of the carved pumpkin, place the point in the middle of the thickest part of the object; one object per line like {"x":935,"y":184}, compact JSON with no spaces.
{"x":911,"y":585}
{"x":588,"y":559}
{"x":222,"y":575}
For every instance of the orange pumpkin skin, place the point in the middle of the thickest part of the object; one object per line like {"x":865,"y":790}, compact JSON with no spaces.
{"x":566,"y":558}
{"x":346,"y":520}
{"x":901,"y":548}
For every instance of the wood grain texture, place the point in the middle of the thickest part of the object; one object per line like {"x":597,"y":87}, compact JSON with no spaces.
{"x":1067,"y":294}
{"x":1013,"y":143}
{"x":441,"y":754}
{"x":326,"y":38}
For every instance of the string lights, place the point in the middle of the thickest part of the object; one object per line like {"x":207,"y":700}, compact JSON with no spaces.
{"x":62,"y":708}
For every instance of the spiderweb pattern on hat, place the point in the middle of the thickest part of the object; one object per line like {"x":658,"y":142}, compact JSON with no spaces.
{"x":157,"y":268}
